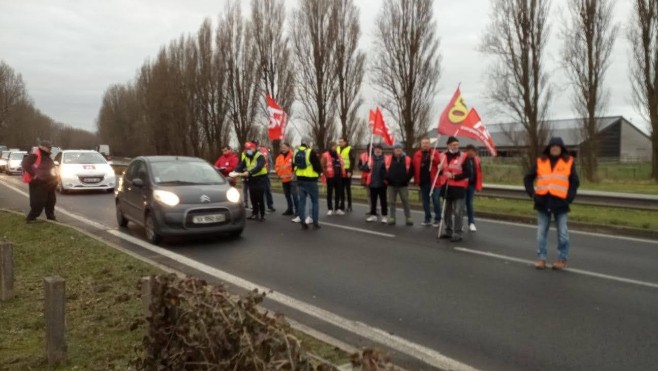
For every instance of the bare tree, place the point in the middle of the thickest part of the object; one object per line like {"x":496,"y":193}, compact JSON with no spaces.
{"x":589,"y":36}
{"x":12,"y":92}
{"x":519,"y":86}
{"x":314,"y":40}
{"x":407,"y":64}
{"x":643,"y":35}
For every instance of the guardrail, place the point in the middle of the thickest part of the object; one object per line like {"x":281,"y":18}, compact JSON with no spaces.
{"x":634,"y":201}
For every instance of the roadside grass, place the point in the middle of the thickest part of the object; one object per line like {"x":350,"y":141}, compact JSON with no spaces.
{"x":104,"y":319}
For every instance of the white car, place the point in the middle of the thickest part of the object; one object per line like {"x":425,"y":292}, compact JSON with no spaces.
{"x":14,"y":162}
{"x":83,"y":169}
{"x":4,"y":158}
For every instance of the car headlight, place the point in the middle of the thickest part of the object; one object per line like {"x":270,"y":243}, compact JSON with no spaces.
{"x":233,"y":195}
{"x":166,"y":197}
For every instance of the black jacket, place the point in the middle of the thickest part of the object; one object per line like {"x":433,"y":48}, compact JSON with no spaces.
{"x":457,"y":192}
{"x":44,"y":173}
{"x":550,"y":203}
{"x":397,"y":174}
{"x":378,"y":172}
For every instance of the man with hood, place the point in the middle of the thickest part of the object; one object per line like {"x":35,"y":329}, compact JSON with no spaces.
{"x":39,"y":173}
{"x":553,"y":183}
{"x":376,"y":182}
{"x":254,"y":172}
{"x":399,"y":171}
{"x":308,"y":170}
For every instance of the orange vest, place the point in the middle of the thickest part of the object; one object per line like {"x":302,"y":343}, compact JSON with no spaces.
{"x":283,"y":167}
{"x":456,"y":167}
{"x":329,"y":166}
{"x":553,"y":181}
{"x":388,"y":159}
{"x":27,"y":178}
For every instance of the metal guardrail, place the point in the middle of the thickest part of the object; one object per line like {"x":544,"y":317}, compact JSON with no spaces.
{"x":634,"y":201}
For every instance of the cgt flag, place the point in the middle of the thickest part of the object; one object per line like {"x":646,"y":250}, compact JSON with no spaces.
{"x":457,"y":120}
{"x":278,"y":120}
{"x":379,"y":127}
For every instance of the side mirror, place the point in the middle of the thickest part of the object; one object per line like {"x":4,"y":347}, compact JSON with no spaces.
{"x":137,"y":182}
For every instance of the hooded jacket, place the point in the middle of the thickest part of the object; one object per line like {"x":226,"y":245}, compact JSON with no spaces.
{"x":548,"y":202}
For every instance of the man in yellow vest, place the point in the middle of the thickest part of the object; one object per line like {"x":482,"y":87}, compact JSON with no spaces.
{"x":308,"y":170}
{"x":349,"y":160}
{"x":552,"y":183}
{"x":254,"y":171}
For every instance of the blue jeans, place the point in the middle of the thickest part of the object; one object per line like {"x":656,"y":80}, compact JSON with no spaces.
{"x":310,"y":189}
{"x":543,"y":224}
{"x":245,"y":193}
{"x":292,"y":196}
{"x":268,"y":194}
{"x":436,"y":202}
{"x":470,"y":194}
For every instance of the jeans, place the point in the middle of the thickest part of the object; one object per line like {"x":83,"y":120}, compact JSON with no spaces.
{"x":379,"y":192}
{"x":245,"y":193}
{"x":335,"y":184}
{"x":347,"y":185}
{"x":543,"y":224}
{"x":436,"y":202}
{"x":470,"y":194}
{"x":393,"y":193}
{"x":454,"y":209}
{"x":268,"y":193}
{"x":292,"y":196}
{"x":309,"y":189}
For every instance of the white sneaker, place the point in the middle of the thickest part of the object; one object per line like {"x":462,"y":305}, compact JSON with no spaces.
{"x":340,"y":212}
{"x":384,"y":220}
{"x":372,"y":218}
{"x":297,"y":220}
{"x":309,"y":220}
{"x":472,"y":227}
{"x":330,"y":213}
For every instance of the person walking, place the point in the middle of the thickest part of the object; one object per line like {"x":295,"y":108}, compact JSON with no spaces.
{"x":426,"y":164}
{"x":227,"y":162}
{"x":334,"y":173}
{"x":553,"y":184}
{"x":254,"y":172}
{"x":474,"y":184}
{"x":457,"y":173}
{"x":39,"y":173}
{"x":284,"y":169}
{"x":399,"y":172}
{"x":267,"y":154}
{"x":376,"y":183}
{"x":308,"y":170}
{"x":349,"y":160}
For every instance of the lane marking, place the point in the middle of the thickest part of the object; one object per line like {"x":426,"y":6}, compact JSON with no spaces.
{"x":417,"y":351}
{"x":572,"y":270}
{"x":354,"y":229}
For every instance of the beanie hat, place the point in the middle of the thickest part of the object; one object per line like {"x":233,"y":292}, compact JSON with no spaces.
{"x":452,"y":139}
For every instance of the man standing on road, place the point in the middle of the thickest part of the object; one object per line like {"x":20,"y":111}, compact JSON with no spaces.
{"x":364,"y":158}
{"x":376,"y":183}
{"x":334,"y":173}
{"x":284,"y":170}
{"x":39,"y":173}
{"x":268,"y":184}
{"x":399,"y":172}
{"x":255,"y":175}
{"x":424,"y":176}
{"x":457,"y":173}
{"x":308,"y":169}
{"x":227,"y":162}
{"x":345,"y":151}
{"x":553,"y":183}
{"x":474,"y":184}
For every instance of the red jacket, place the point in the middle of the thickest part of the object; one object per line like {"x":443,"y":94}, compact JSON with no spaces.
{"x":226,"y":163}
{"x":478,"y":171}
{"x":436,"y":160}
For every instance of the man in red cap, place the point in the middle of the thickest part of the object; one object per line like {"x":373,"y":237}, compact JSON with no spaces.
{"x":254,"y":172}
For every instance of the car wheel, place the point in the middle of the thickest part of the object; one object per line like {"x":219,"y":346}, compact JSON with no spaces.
{"x":121,"y":219}
{"x":151,"y":228}
{"x":236,"y":234}
{"x":110,"y":190}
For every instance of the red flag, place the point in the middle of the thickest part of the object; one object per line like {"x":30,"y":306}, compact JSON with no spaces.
{"x":379,"y":127}
{"x":457,"y":120}
{"x":278,"y":119}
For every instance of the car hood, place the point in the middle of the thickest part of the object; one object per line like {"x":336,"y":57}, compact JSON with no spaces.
{"x":88,"y":169}
{"x":199,"y":194}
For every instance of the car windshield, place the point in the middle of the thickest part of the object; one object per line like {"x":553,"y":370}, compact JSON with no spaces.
{"x":16,"y":156}
{"x":185,"y":173}
{"x":5,"y":154}
{"x":83,"y":158}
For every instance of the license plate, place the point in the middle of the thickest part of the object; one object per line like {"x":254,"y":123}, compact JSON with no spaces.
{"x":92,"y":180}
{"x":208,"y":219}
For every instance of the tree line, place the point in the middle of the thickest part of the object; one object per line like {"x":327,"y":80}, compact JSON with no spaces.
{"x":201,"y":91}
{"x":22,"y":125}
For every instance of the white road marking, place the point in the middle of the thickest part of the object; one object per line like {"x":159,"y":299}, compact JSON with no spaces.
{"x":354,"y":229}
{"x":572,"y":270}
{"x":417,"y":351}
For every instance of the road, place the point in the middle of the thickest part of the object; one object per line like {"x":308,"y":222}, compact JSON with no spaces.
{"x":477,"y":302}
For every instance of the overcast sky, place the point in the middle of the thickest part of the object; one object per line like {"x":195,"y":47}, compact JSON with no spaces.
{"x":70,"y":51}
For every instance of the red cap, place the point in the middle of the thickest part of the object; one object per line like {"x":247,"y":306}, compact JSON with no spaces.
{"x":249,"y":145}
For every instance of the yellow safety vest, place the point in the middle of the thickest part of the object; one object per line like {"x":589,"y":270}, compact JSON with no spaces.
{"x":252,"y":162}
{"x":308,"y":172}
{"x":345,"y":154}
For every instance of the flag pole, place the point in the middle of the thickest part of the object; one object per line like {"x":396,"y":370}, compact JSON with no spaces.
{"x":436,"y":145}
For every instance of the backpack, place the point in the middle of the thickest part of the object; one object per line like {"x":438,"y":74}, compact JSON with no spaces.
{"x":300,"y":159}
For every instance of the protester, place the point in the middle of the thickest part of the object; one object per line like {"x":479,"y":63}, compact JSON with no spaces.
{"x":307,"y":169}
{"x":254,"y":172}
{"x":39,"y":172}
{"x":426,"y":164}
{"x":345,"y":150}
{"x":227,"y":162}
{"x":474,"y":183}
{"x":364,"y":158}
{"x":376,"y":183}
{"x":555,"y":189}
{"x":334,"y":173}
{"x":284,"y":169}
{"x":399,"y":172}
{"x":267,"y":154}
{"x":457,"y":173}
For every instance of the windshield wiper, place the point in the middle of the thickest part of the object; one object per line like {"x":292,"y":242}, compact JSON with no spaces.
{"x":177,"y":182}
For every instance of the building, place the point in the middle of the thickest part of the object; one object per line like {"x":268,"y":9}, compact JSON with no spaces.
{"x":619,"y":139}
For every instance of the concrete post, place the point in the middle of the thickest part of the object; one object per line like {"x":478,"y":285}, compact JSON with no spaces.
{"x":6,"y":271}
{"x":55,"y":316}
{"x":146,"y":296}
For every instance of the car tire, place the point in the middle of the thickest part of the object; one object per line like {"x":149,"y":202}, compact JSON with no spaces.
{"x":151,"y":229}
{"x":109,"y":190}
{"x":236,"y":234}
{"x":121,"y":219}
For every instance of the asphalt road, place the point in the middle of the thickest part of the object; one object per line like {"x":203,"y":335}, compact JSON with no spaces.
{"x":492,"y":312}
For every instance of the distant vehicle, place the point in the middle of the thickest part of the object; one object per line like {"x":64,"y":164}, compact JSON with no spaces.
{"x":14,"y":162}
{"x":104,"y":149}
{"x":4,"y":157}
{"x":3,"y":148}
{"x":83,"y":170}
{"x":178,"y":196}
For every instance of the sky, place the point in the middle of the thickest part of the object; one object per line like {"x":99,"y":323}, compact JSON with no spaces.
{"x":70,"y":51}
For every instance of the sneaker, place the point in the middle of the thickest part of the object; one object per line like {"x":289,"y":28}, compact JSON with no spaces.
{"x":262,"y":218}
{"x":330,"y":213}
{"x":309,"y":220}
{"x":271,"y":209}
{"x":339,"y":212}
{"x":349,"y":209}
{"x":385,"y":219}
{"x":445,"y":236}
{"x":426,"y":223}
{"x":371,"y":218}
{"x":436,"y":224}
{"x":316,"y":226}
{"x":410,"y":222}
{"x":540,"y":264}
{"x":287,"y":213}
{"x":297,"y":219}
{"x":253,"y":217}
{"x":472,"y":227}
{"x":391,"y":221}
{"x":456,"y":238}
{"x":559,"y":265}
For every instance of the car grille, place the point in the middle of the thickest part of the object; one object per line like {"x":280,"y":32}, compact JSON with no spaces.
{"x":189,"y":223}
{"x":91,"y":179}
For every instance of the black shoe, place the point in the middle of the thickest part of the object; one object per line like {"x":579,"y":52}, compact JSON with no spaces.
{"x":253,"y":217}
{"x":28,"y":221}
{"x":445,"y":236}
{"x":52,"y":218}
{"x":304,"y":226}
{"x":455,"y":239}
{"x":287,"y":212}
{"x":271,"y":209}
{"x":349,"y":209}
{"x":262,"y":218}
{"x":316,"y":226}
